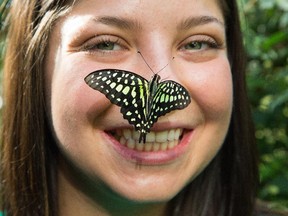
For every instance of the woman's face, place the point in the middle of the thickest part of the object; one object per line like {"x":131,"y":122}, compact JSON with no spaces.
{"x":189,"y":36}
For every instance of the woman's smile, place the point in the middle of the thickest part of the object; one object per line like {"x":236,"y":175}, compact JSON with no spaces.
{"x":161,"y":146}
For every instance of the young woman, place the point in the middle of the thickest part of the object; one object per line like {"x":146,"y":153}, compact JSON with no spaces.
{"x":67,"y":150}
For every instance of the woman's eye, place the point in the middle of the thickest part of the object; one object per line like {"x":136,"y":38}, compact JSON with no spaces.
{"x":104,"y":44}
{"x":107,"y":45}
{"x":195,"y":45}
{"x":200,"y":43}
{"x":200,"y":48}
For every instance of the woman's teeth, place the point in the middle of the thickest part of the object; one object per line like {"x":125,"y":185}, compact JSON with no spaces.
{"x":155,"y":141}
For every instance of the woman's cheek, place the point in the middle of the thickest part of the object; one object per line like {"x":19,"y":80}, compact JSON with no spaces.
{"x":211,"y":89}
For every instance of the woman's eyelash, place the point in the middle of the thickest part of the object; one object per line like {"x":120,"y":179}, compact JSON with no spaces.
{"x":208,"y":41}
{"x":113,"y":43}
{"x":212,"y":43}
{"x":95,"y":44}
{"x":202,"y":43}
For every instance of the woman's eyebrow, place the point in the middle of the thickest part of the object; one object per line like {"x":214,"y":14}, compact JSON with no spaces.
{"x":119,"y":22}
{"x":130,"y":24}
{"x":199,"y":20}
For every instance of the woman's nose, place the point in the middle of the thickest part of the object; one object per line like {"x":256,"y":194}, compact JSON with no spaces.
{"x":155,"y":50}
{"x":156,"y":63}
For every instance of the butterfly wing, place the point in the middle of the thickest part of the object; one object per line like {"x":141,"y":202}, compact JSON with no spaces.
{"x":125,"y":89}
{"x":169,"y":96}
{"x":131,"y":92}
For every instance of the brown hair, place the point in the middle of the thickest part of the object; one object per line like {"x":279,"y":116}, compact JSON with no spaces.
{"x":226,"y":187}
{"x":26,"y":166}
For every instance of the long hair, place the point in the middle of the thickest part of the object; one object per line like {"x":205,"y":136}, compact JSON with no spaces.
{"x":28,"y":171}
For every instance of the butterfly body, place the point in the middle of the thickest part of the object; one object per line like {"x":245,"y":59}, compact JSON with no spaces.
{"x":142,"y":102}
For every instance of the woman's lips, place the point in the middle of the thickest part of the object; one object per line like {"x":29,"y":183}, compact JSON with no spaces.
{"x":161,"y":147}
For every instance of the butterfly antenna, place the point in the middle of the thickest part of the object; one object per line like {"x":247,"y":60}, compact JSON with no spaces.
{"x":146,"y":62}
{"x":165,"y":66}
{"x":149,"y":65}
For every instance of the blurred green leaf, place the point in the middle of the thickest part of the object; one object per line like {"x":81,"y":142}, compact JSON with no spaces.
{"x":266,"y":41}
{"x":274,"y":39}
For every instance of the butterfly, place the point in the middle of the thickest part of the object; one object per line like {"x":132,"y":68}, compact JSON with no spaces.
{"x":142,"y":102}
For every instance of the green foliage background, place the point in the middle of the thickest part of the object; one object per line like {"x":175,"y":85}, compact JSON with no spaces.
{"x":265,"y":29}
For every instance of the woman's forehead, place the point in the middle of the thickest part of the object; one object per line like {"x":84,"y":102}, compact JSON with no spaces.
{"x":134,"y":15}
{"x":148,"y":8}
